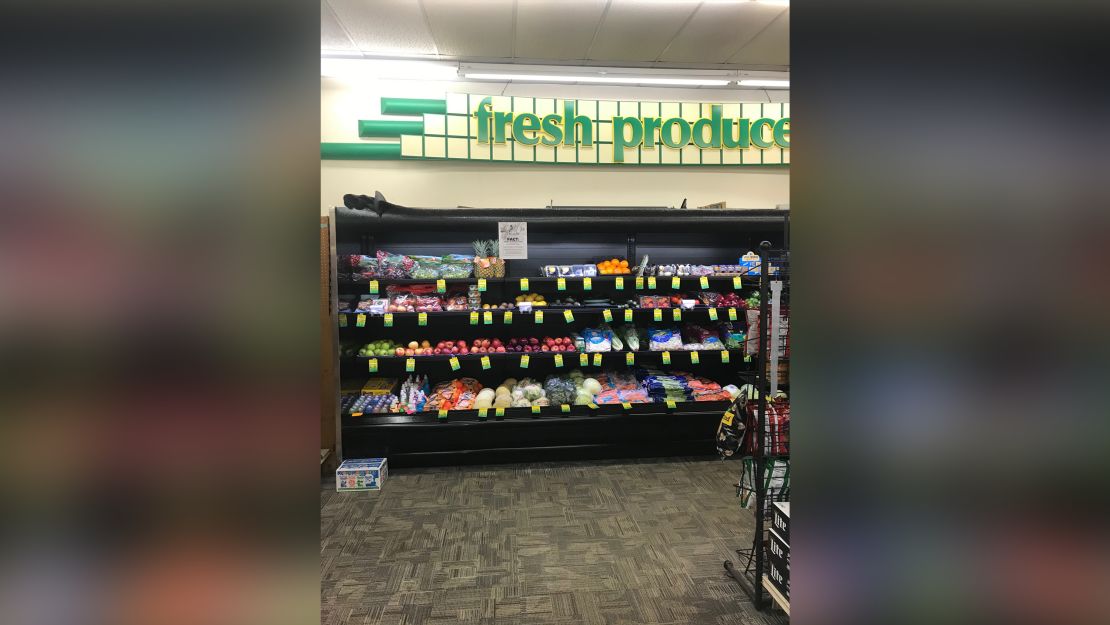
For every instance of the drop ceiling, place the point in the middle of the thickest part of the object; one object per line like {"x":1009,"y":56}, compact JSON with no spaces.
{"x":724,"y":34}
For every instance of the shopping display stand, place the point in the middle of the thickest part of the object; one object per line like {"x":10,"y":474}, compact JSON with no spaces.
{"x":555,"y":236}
{"x":752,"y":575}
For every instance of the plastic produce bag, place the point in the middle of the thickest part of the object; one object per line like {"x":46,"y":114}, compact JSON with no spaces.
{"x":560,"y":390}
{"x":597,"y":340}
{"x":664,"y":339}
{"x":394,"y":265}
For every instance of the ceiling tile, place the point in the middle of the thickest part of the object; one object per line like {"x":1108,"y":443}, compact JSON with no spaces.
{"x":770,"y":47}
{"x":717,"y":31}
{"x":385,"y":26}
{"x":557,"y":31}
{"x":638,"y":30}
{"x":332,"y":36}
{"x":472,"y":29}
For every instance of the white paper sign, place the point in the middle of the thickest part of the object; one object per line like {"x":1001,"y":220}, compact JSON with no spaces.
{"x":512,"y":239}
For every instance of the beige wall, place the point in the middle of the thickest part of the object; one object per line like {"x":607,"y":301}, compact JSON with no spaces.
{"x":448,"y":184}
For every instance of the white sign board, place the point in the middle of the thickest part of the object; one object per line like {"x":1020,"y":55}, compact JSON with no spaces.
{"x":512,"y":239}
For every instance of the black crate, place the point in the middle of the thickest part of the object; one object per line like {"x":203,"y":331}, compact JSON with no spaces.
{"x":778,"y":571}
{"x":780,"y":519}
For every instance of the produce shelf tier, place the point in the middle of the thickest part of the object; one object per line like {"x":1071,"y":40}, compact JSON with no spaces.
{"x":574,"y":283}
{"x":681,"y":409}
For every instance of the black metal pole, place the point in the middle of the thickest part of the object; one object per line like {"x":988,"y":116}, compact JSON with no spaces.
{"x":761,"y":420}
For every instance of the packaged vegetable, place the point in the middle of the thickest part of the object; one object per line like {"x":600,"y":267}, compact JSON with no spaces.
{"x":664,"y":339}
{"x":394,"y":265}
{"x":597,"y":340}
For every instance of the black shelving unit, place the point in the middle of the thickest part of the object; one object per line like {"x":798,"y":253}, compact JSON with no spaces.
{"x":752,"y":575}
{"x":556,"y":236}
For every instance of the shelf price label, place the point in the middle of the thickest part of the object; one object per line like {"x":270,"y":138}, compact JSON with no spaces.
{"x":619,"y":284}
{"x":732,"y":314}
{"x":670,"y":404}
{"x":422,"y":319}
{"x":410,"y":365}
{"x":676,"y":283}
{"x":651,"y":282}
{"x":712,"y":314}
{"x":387,"y":320}
{"x":639,"y":283}
{"x":676,"y":314}
{"x":441,"y":286}
{"x":524,"y":360}
{"x":703,"y":282}
{"x":535,"y":410}
{"x":666,"y":358}
{"x":483,"y":413}
{"x":485,"y":362}
{"x":474,"y":317}
{"x":360,"y":320}
{"x":587,"y":284}
{"x":657,"y":314}
{"x":736,"y":282}
{"x":373,"y":287}
{"x":487,"y":318}
{"x":568,"y":315}
{"x":747,"y":357}
{"x":342,"y":320}
{"x":442,"y":414}
{"x":561,"y":284}
{"x":630,"y":358}
{"x":482,"y":285}
{"x":558,"y":360}
{"x":583,"y":359}
{"x":455,"y":363}
{"x":695,"y":358}
{"x":372,"y":365}
{"x":499,"y":412}
{"x":507,"y":318}
{"x":538,"y":316}
{"x":727,"y":418}
{"x":607,"y":315}
{"x":626,"y":405}
{"x":628,"y":315}
{"x":591,"y":406}
{"x":524,"y":284}
{"x":564,"y":408}
{"x":597,"y":359}
{"x":724,"y":355}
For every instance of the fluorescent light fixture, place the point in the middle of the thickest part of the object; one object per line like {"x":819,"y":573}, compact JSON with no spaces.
{"x":757,"y":82}
{"x":777,"y":3}
{"x":623,"y":79}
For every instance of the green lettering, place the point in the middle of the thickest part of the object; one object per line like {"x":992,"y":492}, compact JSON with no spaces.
{"x":553,"y":128}
{"x":526,"y":122}
{"x":757,"y":132}
{"x":571,"y":121}
{"x":500,"y":120}
{"x":742,"y":141}
{"x":714,"y":125}
{"x":482,"y":113}
{"x":651,"y":129}
{"x":683,"y":132}
{"x":620,"y":141}
{"x":782,"y":129}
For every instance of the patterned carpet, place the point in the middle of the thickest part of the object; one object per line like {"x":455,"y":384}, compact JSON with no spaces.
{"x":632,"y":541}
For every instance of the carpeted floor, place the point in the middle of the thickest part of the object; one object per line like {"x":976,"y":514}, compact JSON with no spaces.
{"x":633,"y":541}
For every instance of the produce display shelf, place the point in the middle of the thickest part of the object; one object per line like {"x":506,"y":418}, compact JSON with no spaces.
{"x":592,"y":310}
{"x":777,"y":595}
{"x":471,"y":416}
{"x":567,"y":356}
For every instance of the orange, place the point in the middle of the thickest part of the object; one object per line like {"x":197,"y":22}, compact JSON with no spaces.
{"x":624,"y":264}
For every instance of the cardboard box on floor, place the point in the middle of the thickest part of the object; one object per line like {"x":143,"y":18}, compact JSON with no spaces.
{"x":361,"y":474}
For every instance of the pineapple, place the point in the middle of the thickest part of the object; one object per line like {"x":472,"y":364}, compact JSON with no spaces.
{"x":481,"y":252}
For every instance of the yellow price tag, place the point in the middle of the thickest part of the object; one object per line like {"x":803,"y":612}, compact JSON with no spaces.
{"x":695,"y":358}
{"x":587,"y":284}
{"x":591,"y":406}
{"x":342,"y":320}
{"x":607,"y":315}
{"x":568,"y":315}
{"x":651,"y":282}
{"x":597,"y":359}
{"x":535,"y":410}
{"x":747,"y":357}
{"x":712,"y":314}
{"x":666,"y":358}
{"x":498,"y":412}
{"x":455,"y":363}
{"x":619,"y":284}
{"x":524,"y":360}
{"x":507,"y":318}
{"x":524,"y":284}
{"x":410,"y":365}
{"x":487,"y":318}
{"x":373,"y":287}
{"x":474,"y":318}
{"x":676,"y":283}
{"x":485,"y":362}
{"x":372,"y":364}
{"x":727,"y":418}
{"x":703,"y":282}
{"x":564,"y":408}
{"x":724,"y":356}
{"x":360,"y":320}
{"x":639,"y":283}
{"x":626,"y":405}
{"x":676,"y":314}
{"x":538,"y":316}
{"x":558,"y":360}
{"x":629,"y":358}
{"x":670,"y":404}
{"x":441,"y":286}
{"x":732,"y":314}
{"x":736,"y":282}
{"x":628,"y":315}
{"x":483,"y":413}
{"x":583,"y":359}
{"x":482,"y":284}
{"x":442,"y":413}
{"x":657,"y":314}
{"x":561,"y":284}
{"x":422,"y":319}
{"x":387,"y":320}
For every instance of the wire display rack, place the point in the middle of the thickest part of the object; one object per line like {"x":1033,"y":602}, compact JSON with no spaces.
{"x":765,"y":478}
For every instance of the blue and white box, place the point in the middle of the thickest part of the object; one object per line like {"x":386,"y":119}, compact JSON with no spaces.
{"x":361,"y":474}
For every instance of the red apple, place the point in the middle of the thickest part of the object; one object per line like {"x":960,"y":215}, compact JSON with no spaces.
{"x":500,"y":349}
{"x":463,"y":351}
{"x":534,"y":341}
{"x":400,"y":351}
{"x":461,"y":344}
{"x":448,"y":344}
{"x":454,"y":350}
{"x":545,"y":348}
{"x":497,"y":342}
{"x":438,"y":350}
{"x":528,"y":348}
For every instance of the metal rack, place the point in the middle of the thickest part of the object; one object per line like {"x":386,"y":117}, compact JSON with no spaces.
{"x":751,"y":575}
